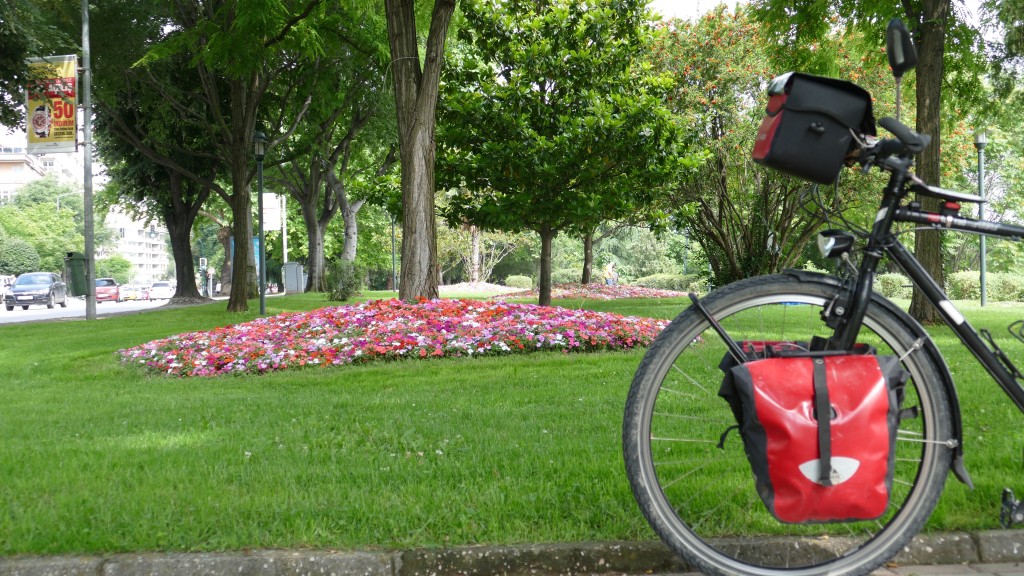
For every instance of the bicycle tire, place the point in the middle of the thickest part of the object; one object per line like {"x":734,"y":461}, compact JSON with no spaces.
{"x":701,"y":499}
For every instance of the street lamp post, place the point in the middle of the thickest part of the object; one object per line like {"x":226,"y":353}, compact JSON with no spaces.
{"x":259,"y":142}
{"x":980,"y":140}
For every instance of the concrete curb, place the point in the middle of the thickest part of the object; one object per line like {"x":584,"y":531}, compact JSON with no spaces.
{"x":649,"y":557}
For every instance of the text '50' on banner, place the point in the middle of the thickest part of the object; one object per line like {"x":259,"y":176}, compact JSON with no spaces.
{"x":52,"y":104}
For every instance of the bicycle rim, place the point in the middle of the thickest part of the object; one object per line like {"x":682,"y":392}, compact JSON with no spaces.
{"x":701,"y":498}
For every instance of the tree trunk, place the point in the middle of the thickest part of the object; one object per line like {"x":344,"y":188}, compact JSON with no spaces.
{"x":588,"y":257}
{"x":348,"y":215}
{"x":419,"y":277}
{"x":474,"y":254}
{"x":315,"y":245}
{"x":243,"y":267}
{"x":184,"y":269}
{"x":931,"y":44}
{"x":179,"y":218}
{"x":547,"y":236}
{"x":416,"y":102}
{"x":224,"y":236}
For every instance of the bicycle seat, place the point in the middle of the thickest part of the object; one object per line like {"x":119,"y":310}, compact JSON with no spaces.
{"x":919,"y":186}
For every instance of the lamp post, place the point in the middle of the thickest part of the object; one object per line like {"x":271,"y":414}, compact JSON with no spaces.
{"x":980,"y":139}
{"x":259,"y":142}
{"x":59,"y":196}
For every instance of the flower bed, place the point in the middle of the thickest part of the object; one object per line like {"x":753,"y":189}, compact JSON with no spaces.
{"x":389,"y":329}
{"x":595,"y":291}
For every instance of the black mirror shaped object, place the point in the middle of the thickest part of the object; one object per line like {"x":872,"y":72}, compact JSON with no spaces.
{"x":899,"y":48}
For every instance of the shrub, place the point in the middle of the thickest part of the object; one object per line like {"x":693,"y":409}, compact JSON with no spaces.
{"x":698,"y":286}
{"x":522,"y":282}
{"x":893,"y":285}
{"x":344,"y":280}
{"x":963,"y":285}
{"x":18,"y":257}
{"x":677,"y":282}
{"x":566,"y":276}
{"x":1004,"y":286}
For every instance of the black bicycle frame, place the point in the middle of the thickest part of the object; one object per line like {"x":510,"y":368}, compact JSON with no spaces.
{"x":883,"y":241}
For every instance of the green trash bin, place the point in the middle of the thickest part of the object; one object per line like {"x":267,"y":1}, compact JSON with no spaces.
{"x":75,"y":265}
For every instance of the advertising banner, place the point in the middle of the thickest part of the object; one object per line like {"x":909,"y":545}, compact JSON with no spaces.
{"x":52,"y":122}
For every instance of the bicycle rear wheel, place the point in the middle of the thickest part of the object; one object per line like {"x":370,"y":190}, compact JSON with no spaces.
{"x":701,"y":500}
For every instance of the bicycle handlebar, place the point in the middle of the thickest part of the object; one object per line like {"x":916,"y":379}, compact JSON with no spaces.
{"x":906,"y":143}
{"x":913,"y":142}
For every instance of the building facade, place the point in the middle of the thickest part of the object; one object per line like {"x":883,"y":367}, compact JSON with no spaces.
{"x":144,"y":244}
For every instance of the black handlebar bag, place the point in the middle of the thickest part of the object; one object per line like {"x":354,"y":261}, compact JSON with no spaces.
{"x":809,"y":469}
{"x":810,"y":125}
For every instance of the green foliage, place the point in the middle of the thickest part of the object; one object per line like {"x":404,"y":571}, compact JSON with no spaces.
{"x":964,"y":285}
{"x":566,"y":275}
{"x":999,"y":286}
{"x":1004,"y":287}
{"x":26,"y":30}
{"x":677,"y":282}
{"x":344,"y":278}
{"x":551,"y":121}
{"x":748,"y":219}
{"x":811,"y":267}
{"x":893,"y":285}
{"x":33,"y":216}
{"x":17,"y":257}
{"x":524,"y":282}
{"x":116,"y":267}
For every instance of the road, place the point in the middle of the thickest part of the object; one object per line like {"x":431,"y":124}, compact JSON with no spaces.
{"x":75,"y":309}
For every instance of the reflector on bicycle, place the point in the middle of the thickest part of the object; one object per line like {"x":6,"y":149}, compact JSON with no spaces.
{"x":811,"y":469}
{"x":809,"y":126}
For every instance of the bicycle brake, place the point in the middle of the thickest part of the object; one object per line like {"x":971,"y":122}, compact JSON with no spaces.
{"x":1017,"y":330}
{"x":1012,"y":511}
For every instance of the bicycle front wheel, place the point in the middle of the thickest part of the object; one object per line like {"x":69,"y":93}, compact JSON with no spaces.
{"x":700,"y":497}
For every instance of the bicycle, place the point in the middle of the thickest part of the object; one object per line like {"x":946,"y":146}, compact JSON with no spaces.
{"x":693,"y":484}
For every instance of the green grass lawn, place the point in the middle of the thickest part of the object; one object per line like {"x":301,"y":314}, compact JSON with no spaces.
{"x":96,"y":457}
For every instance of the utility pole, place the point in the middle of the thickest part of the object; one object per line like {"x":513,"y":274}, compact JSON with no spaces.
{"x":90,"y":248}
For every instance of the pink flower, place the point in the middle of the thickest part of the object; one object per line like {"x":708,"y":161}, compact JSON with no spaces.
{"x":389,"y":329}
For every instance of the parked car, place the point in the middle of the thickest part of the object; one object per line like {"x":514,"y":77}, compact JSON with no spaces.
{"x":107,"y":290}
{"x":36,"y":288}
{"x":161,"y":290}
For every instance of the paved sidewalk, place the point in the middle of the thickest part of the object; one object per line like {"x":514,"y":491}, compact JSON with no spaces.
{"x":995,"y":553}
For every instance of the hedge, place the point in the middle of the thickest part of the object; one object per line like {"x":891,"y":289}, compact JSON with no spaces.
{"x":522,"y":282}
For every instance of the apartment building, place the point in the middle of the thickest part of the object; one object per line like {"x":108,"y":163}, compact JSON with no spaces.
{"x":144,"y":244}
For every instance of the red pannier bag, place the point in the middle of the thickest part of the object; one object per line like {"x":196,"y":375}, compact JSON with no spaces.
{"x":810,"y":124}
{"x":776,"y":400}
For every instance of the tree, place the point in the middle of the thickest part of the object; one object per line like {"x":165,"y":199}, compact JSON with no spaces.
{"x":416,"y":91}
{"x":748,"y":220}
{"x":281,"y":43}
{"x":116,"y":267}
{"x":49,"y":216}
{"x":553,"y":123}
{"x":24,"y":32}
{"x":939,"y":37}
{"x":132,"y":133}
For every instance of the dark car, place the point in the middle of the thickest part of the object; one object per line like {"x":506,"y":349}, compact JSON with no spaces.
{"x":36,"y":288}
{"x":107,"y":290}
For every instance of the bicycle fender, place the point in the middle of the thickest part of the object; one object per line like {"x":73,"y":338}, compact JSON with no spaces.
{"x":914,"y":327}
